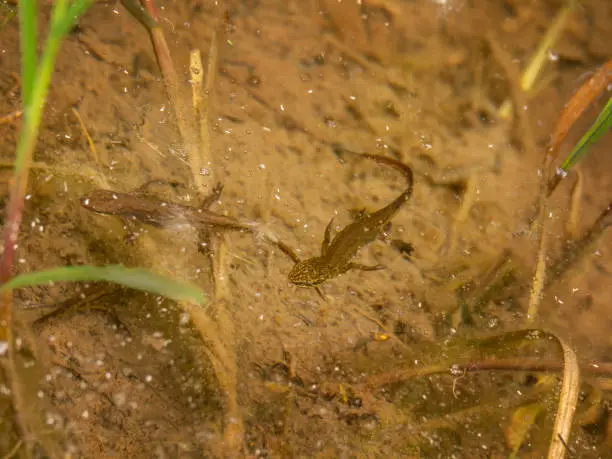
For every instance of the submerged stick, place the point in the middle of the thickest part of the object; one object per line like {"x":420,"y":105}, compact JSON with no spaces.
{"x":539,"y":275}
{"x":202,"y":164}
{"x":184,"y":119}
{"x":92,"y":147}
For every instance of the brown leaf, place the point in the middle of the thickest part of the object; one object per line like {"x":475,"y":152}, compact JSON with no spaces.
{"x":576,"y":106}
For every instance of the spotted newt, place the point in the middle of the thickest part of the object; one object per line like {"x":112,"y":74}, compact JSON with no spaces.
{"x":337,"y":254}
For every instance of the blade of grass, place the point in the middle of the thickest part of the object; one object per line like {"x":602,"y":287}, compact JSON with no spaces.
{"x":602,"y":124}
{"x":136,"y":278}
{"x":573,"y":110}
{"x":35,"y":79}
{"x":36,"y":82}
{"x":27,"y":26}
{"x":567,"y":402}
{"x":35,"y":87}
{"x":540,"y":57}
{"x":76,"y":10}
{"x":578,"y":103}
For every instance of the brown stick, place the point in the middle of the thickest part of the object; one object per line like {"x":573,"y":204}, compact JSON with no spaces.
{"x":185,"y":122}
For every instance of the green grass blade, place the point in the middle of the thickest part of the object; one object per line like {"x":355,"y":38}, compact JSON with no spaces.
{"x":27,"y":38}
{"x":77,"y":9}
{"x":136,"y":278}
{"x":602,"y":124}
{"x":61,"y":22}
{"x":64,"y":16}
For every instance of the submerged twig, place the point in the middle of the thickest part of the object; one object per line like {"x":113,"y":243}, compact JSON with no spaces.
{"x":199,"y":162}
{"x":92,"y":147}
{"x":571,"y":226}
{"x":201,"y":95}
{"x":185,"y":120}
{"x":539,"y":275}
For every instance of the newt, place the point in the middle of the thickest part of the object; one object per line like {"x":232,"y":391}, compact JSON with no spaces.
{"x":155,"y":212}
{"x":161,"y":214}
{"x":337,"y":254}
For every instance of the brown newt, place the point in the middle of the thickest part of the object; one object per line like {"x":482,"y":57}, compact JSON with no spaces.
{"x":337,"y":254}
{"x":155,"y":212}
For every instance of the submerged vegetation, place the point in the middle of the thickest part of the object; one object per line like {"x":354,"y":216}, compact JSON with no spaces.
{"x":490,"y":364}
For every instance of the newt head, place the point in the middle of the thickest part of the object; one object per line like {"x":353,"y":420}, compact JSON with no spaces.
{"x":309,"y":273}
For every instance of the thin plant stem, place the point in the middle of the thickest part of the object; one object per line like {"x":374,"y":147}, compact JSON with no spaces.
{"x":185,"y":120}
{"x":35,"y":88}
{"x":540,"y":56}
{"x":539,"y":275}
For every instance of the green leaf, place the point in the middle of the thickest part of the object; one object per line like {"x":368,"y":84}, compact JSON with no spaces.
{"x":522,"y":419}
{"x":27,"y":38}
{"x":64,"y":16}
{"x":77,"y":9}
{"x":602,"y":124}
{"x":36,"y":77}
{"x":136,"y":278}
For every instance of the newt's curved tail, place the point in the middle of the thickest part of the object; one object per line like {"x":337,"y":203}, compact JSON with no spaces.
{"x":405,"y":170}
{"x":400,"y":166}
